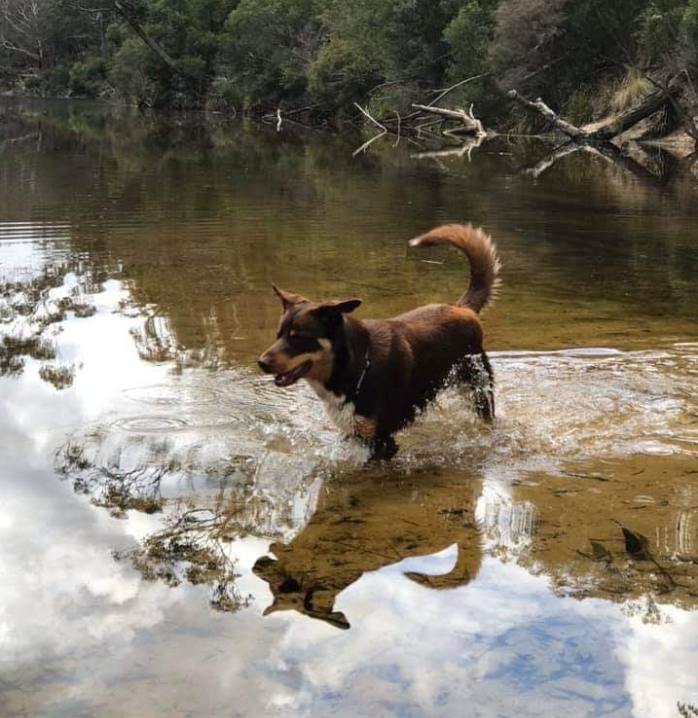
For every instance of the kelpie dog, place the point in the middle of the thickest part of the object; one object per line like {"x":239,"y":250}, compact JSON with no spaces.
{"x":374,"y":376}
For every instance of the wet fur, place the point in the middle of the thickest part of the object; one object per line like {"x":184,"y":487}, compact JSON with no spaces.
{"x":411,"y":357}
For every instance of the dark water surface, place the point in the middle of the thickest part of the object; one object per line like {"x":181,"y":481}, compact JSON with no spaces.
{"x":178,"y":537}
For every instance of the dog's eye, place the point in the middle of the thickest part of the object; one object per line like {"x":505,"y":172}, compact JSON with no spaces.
{"x":303,"y":343}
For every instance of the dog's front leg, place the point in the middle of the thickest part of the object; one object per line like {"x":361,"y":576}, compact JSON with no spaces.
{"x":383,"y":448}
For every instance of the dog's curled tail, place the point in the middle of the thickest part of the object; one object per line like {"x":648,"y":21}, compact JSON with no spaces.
{"x":481,"y":253}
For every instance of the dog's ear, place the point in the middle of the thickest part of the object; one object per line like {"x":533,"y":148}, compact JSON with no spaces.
{"x":331,"y":312}
{"x":342,"y":306}
{"x":288,"y":299}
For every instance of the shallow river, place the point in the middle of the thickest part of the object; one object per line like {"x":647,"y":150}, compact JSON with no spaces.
{"x":179,"y":537}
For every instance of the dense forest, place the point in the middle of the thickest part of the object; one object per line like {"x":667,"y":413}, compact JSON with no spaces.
{"x":585,"y":57}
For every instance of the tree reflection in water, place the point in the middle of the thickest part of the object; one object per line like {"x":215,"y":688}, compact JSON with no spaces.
{"x":30,"y":314}
{"x":192,"y":548}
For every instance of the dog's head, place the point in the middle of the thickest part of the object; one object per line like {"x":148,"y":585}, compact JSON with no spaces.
{"x":304,"y":345}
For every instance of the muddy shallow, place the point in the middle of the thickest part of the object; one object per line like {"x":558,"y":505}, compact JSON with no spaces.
{"x":180,"y":537}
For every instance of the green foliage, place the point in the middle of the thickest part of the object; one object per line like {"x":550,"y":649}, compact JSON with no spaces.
{"x":224,"y":95}
{"x":386,"y":54}
{"x":55,"y":81}
{"x":342,"y":73}
{"x":268,"y":46}
{"x":129,"y":72}
{"x":659,"y":30}
{"x":87,"y":78}
{"x":469,"y":36}
{"x":690,"y":30}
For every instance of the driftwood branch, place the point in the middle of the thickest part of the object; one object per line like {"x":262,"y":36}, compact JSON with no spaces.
{"x":469,"y":124}
{"x":541,"y":108}
{"x":367,"y":114}
{"x":368,"y":143}
{"x":448,"y":90}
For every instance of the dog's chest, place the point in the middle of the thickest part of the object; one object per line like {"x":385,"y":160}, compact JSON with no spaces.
{"x":342,"y":412}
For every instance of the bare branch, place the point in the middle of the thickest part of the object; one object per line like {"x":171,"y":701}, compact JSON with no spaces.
{"x":368,"y":115}
{"x":448,"y":90}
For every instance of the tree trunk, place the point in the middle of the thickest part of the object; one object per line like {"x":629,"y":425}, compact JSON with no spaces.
{"x":625,"y":120}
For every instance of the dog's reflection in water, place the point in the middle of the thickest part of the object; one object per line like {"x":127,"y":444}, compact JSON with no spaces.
{"x":365,"y":522}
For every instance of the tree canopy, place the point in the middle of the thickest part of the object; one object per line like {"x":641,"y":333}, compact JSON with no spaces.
{"x":584,"y":56}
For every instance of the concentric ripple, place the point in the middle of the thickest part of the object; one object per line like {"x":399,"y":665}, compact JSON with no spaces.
{"x":150,"y":424}
{"x":171,"y":395}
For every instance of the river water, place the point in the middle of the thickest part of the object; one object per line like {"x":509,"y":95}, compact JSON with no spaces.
{"x":179,"y":537}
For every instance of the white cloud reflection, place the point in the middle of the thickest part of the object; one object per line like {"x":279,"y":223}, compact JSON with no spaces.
{"x":83,"y":634}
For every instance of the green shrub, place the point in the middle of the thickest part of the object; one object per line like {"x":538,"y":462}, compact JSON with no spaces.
{"x":87,"y":78}
{"x":659,"y":28}
{"x":128,"y":73}
{"x":224,"y":94}
{"x":468,"y":36}
{"x":56,"y":81}
{"x":690,"y":29}
{"x":33,"y":84}
{"x":342,"y":74}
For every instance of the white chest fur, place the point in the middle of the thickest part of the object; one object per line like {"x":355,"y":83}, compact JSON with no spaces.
{"x":342,"y":413}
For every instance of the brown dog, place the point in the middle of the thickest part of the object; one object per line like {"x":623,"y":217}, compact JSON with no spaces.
{"x":374,"y":376}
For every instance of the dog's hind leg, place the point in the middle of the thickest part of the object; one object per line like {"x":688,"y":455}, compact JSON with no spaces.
{"x":475,"y":372}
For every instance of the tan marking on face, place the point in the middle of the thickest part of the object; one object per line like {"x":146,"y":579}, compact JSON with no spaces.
{"x":322,"y":360}
{"x":323,"y":363}
{"x":301,"y":359}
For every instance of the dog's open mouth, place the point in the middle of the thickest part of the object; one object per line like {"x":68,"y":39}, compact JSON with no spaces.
{"x":291,"y":377}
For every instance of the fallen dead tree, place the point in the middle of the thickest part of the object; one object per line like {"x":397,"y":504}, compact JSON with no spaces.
{"x":428,"y":118}
{"x":467,"y":123}
{"x":567,"y":128}
{"x":453,"y":124}
{"x":605,"y":133}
